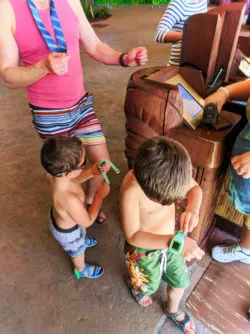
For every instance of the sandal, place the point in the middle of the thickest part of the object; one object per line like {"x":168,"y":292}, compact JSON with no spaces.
{"x":180,"y":324}
{"x":137,"y":295}
{"x":97,"y":272}
{"x":99,"y":219}
{"x":90,"y":241}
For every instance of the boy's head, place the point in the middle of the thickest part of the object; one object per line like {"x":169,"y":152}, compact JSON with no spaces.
{"x":61,"y":155}
{"x":163,"y":169}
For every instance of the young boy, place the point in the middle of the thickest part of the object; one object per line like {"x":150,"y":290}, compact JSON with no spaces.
{"x":64,"y":159}
{"x":162,"y":175}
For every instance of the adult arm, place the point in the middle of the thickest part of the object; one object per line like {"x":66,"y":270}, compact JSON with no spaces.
{"x":99,"y":50}
{"x":16,"y":76}
{"x":238,"y":91}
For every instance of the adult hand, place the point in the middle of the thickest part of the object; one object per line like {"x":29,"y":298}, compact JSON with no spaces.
{"x":241,"y":164}
{"x":191,"y":250}
{"x":57,"y":63}
{"x":136,"y":57}
{"x":188,"y":220}
{"x":219,"y":98}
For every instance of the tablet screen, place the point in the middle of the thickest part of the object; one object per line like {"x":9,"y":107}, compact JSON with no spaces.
{"x":191,"y":106}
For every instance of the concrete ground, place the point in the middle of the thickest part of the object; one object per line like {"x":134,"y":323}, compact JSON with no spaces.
{"x":39,"y":293}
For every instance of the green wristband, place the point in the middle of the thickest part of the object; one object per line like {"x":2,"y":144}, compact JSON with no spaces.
{"x":105,"y":176}
{"x":177,"y":243}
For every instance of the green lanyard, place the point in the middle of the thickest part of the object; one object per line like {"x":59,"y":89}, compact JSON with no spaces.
{"x":117,"y":170}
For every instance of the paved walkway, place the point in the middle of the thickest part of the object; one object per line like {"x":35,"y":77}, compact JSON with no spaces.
{"x":39,"y":294}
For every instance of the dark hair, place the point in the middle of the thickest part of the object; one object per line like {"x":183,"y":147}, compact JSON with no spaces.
{"x":163,"y":169}
{"x":61,"y":154}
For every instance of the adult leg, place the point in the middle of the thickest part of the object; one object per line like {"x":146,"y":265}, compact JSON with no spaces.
{"x":95,"y":153}
{"x":245,"y":235}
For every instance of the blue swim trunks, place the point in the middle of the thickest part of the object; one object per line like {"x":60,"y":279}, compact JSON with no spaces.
{"x":72,"y":240}
{"x":238,"y":187}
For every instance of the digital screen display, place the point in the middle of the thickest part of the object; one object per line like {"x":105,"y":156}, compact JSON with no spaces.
{"x":245,"y":67}
{"x":191,"y":106}
{"x":176,"y":245}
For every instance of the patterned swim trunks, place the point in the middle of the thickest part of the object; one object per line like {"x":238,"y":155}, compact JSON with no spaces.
{"x":79,"y":120}
{"x":148,"y":266}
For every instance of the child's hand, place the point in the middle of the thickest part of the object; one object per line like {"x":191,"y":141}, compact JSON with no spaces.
{"x":241,"y":164}
{"x":191,"y":250}
{"x":103,"y":190}
{"x":97,"y":170}
{"x":188,"y":221}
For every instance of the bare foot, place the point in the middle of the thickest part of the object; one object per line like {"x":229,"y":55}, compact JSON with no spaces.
{"x":144,"y":301}
{"x":101,"y":217}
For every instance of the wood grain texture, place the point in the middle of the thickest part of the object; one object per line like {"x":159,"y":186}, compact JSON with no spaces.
{"x":222,"y":297}
{"x":152,"y":109}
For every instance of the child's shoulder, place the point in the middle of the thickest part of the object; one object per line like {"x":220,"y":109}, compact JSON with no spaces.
{"x":130,"y":185}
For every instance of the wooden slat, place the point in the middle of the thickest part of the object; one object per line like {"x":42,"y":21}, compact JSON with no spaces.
{"x":222,"y":297}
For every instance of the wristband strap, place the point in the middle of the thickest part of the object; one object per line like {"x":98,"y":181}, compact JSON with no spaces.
{"x":225,"y":90}
{"x":121,"y":59}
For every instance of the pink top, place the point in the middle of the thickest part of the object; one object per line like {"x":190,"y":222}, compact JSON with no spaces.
{"x":51,"y":91}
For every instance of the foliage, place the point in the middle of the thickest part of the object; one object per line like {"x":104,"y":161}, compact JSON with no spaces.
{"x":95,"y":12}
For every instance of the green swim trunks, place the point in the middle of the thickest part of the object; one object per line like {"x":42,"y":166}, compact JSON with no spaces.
{"x":147,"y":267}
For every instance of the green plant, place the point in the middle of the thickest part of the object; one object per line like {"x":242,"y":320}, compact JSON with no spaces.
{"x":101,"y":12}
{"x":88,"y":9}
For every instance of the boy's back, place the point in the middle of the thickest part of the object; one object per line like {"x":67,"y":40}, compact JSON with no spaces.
{"x":153,"y":217}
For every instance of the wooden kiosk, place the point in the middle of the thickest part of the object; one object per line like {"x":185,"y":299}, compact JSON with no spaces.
{"x":155,"y":107}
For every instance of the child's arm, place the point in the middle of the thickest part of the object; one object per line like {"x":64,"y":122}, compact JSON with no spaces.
{"x":189,"y":218}
{"x":91,"y":172}
{"x":78,"y":212}
{"x":130,"y":219}
{"x":130,"y":211}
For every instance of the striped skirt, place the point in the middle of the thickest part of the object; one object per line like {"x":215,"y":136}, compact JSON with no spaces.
{"x":79,"y":120}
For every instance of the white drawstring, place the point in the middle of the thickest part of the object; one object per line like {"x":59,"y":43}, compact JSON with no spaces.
{"x":163,"y":267}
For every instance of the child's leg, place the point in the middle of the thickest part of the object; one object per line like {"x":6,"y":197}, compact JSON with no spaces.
{"x":173,"y":306}
{"x":84,"y":269}
{"x":177,"y":277}
{"x":79,"y":262}
{"x":144,"y":271}
{"x":174,"y":298}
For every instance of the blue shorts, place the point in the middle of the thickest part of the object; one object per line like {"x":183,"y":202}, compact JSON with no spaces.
{"x":72,"y":240}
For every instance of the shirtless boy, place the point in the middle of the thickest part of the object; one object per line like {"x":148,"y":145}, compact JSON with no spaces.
{"x":64,"y":160}
{"x":162,"y":175}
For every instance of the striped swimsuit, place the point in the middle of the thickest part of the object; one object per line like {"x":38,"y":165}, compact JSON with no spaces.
{"x":173,"y":19}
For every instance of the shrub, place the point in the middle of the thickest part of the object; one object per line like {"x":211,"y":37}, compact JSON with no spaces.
{"x":95,"y":12}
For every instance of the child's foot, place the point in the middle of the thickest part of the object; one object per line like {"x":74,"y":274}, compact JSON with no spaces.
{"x":90,"y":241}
{"x":90,"y":271}
{"x":143,"y":300}
{"x":183,"y":321}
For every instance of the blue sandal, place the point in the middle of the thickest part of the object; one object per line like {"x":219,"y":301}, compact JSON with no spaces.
{"x":90,"y":241}
{"x":97,"y":272}
{"x":180,"y":324}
